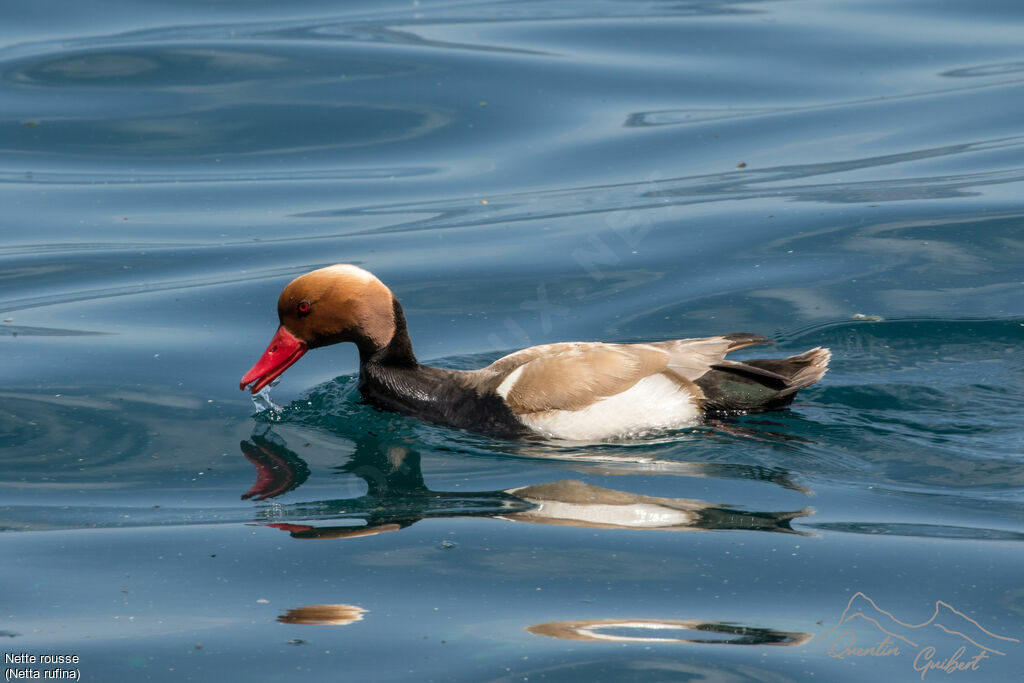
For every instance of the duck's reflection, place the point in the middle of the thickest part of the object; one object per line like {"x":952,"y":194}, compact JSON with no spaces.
{"x":667,"y":631}
{"x":397,"y":497}
{"x":323,"y":615}
{"x":574,"y":503}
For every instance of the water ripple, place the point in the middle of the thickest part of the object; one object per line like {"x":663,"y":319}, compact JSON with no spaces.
{"x":773,"y":182}
{"x":200,"y":177}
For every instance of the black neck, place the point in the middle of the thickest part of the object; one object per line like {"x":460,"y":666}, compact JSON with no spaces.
{"x":392,"y":379}
{"x":398,"y":352}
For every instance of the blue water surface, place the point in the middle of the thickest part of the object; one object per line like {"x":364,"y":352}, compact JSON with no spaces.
{"x":840,"y":173}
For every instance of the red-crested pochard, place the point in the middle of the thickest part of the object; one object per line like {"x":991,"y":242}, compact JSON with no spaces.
{"x":580,"y":391}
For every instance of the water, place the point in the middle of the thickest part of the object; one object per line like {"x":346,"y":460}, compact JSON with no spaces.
{"x":845,"y":174}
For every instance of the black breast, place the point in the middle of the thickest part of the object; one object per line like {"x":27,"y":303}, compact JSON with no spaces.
{"x":440,"y":396}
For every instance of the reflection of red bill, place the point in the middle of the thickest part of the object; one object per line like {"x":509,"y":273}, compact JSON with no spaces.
{"x":282,"y":352}
{"x":274,"y":474}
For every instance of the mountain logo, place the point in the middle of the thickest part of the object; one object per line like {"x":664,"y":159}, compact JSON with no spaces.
{"x":948,"y":641}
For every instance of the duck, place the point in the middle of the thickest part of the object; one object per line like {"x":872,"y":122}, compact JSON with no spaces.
{"x":565,"y":391}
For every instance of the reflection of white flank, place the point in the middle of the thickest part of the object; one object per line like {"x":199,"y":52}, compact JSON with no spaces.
{"x":636,"y":515}
{"x":736,"y":634}
{"x":594,"y":632}
{"x":575,"y":503}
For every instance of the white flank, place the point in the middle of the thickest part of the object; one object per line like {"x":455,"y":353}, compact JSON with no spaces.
{"x":655,"y":402}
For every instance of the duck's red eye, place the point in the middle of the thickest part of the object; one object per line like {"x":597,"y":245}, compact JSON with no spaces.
{"x":303,"y":307}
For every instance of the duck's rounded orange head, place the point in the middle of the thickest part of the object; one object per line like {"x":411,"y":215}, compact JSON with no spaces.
{"x":339,"y":303}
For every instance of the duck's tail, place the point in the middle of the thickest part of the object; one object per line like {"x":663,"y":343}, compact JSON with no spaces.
{"x":753,"y":386}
